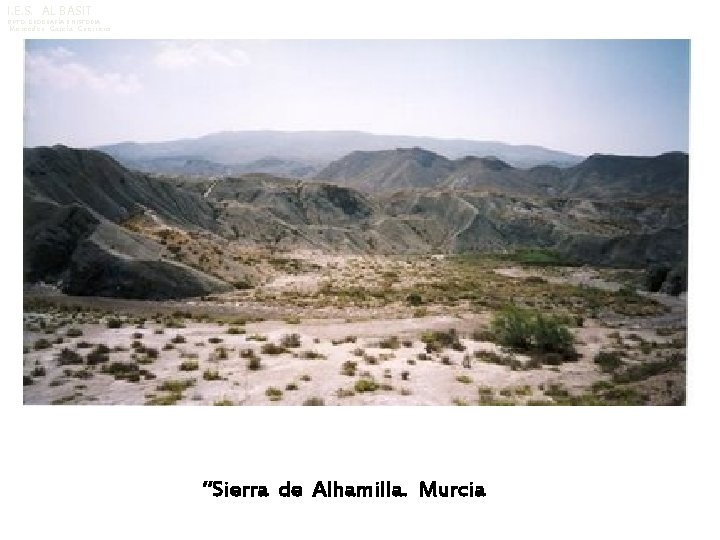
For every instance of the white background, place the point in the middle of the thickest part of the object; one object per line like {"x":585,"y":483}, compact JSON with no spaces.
{"x":122,"y":472}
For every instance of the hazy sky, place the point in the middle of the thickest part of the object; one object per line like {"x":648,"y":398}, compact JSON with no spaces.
{"x":624,"y":97}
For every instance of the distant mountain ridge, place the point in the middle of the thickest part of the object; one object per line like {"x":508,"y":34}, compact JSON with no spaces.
{"x":599,"y":176}
{"x":313,"y":150}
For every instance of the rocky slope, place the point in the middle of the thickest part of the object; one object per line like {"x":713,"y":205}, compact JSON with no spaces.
{"x":74,"y":202}
{"x":97,"y":228}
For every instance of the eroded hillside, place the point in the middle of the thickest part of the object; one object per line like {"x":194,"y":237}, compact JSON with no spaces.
{"x":97,"y":228}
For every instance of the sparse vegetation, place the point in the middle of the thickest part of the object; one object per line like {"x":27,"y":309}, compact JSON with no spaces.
{"x":436,"y":341}
{"x":253,"y":363}
{"x":234,"y":330}
{"x":366,"y":385}
{"x":608,"y":361}
{"x":189,"y":365}
{"x":114,"y":323}
{"x":290,"y":341}
{"x":271,"y":348}
{"x":69,"y":357}
{"x":41,"y":343}
{"x":211,"y":375}
{"x":392,"y":342}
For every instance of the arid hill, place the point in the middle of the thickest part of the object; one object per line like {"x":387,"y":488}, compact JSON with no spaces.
{"x":97,"y":228}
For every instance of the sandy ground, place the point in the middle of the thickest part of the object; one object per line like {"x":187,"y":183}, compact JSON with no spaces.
{"x":406,"y":379}
{"x":428,"y":382}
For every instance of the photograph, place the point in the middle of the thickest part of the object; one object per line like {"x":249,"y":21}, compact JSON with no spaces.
{"x":349,"y":222}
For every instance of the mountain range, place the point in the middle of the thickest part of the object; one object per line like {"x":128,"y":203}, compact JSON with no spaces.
{"x":96,"y":227}
{"x":599,"y":176}
{"x":303,"y":153}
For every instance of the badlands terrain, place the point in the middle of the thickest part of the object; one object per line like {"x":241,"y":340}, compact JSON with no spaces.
{"x":390,"y":277}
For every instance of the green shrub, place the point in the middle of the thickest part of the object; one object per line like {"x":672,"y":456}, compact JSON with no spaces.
{"x":99,"y":355}
{"x":234,"y":330}
{"x":38,"y":371}
{"x":127,"y":371}
{"x":178,"y":339}
{"x":608,"y":361}
{"x":392,"y":342}
{"x":189,"y":365}
{"x":436,"y":340}
{"x":220,"y":353}
{"x":531,"y":332}
{"x":485,"y":391}
{"x":465,"y":379}
{"x":211,"y":375}
{"x":346,"y":339}
{"x":349,"y":368}
{"x":215,"y":340}
{"x":414,"y":299}
{"x":167,"y":399}
{"x":176,"y":385}
{"x":41,"y":343}
{"x":114,"y":323}
{"x":223,"y":403}
{"x":271,"y":348}
{"x":291,"y":386}
{"x":68,"y":357}
{"x":366,"y":385}
{"x":314,"y":401}
{"x":254,"y":363}
{"x":290,"y":341}
{"x":273,"y":394}
{"x":74,"y":332}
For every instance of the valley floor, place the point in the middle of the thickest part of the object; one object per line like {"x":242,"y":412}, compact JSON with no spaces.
{"x":350,"y":332}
